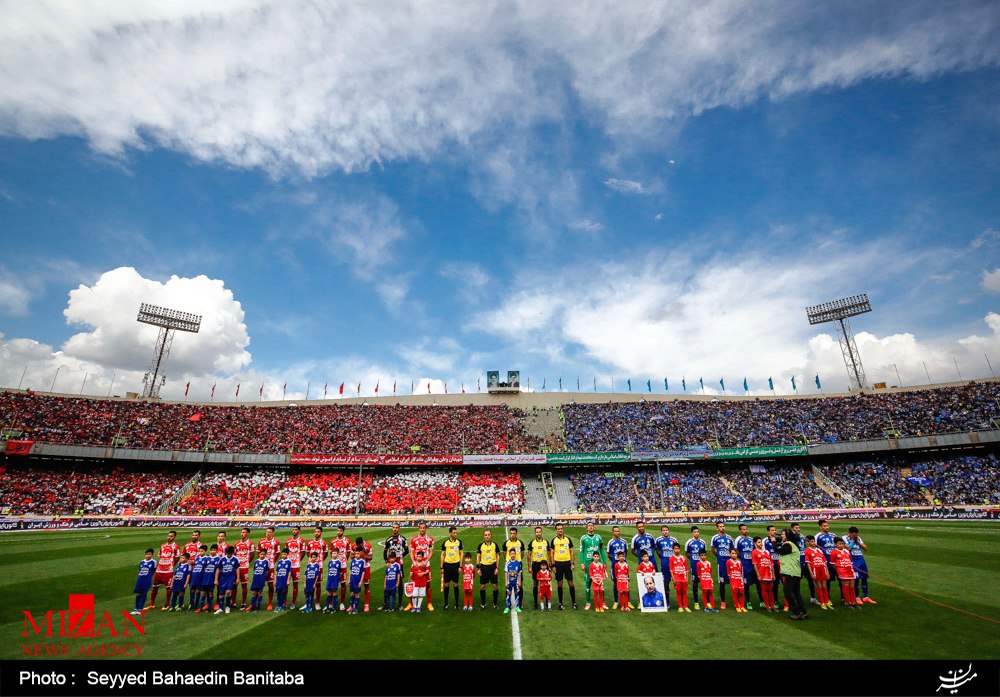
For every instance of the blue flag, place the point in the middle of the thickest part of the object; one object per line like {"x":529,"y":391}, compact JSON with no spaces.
{"x":666,"y":386}
{"x":684,"y":385}
{"x":723,"y":383}
{"x":560,"y":384}
{"x":818,"y":386}
{"x":629,"y":381}
{"x":543,"y":383}
{"x":793,"y":383}
{"x":745,"y":388}
{"x":649,"y":385}
{"x":770,"y":384}
{"x":701,"y":381}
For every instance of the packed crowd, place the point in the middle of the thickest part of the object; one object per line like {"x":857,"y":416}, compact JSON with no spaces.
{"x":962,"y":479}
{"x":329,"y":428}
{"x":334,"y":493}
{"x":88,"y":490}
{"x":779,"y":487}
{"x":682,"y":490}
{"x":875,"y":484}
{"x":668,"y":425}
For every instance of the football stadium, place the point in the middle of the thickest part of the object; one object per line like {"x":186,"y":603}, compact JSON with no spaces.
{"x":89,"y":484}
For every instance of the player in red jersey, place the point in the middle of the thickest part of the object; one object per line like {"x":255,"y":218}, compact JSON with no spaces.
{"x":296,"y":547}
{"x":366,"y":554}
{"x":246,"y":550}
{"x":341,"y":546}
{"x":271,"y":547}
{"x":192,"y":547}
{"x":468,"y":580}
{"x":840,"y":557}
{"x":679,"y":574}
{"x":319,"y":545}
{"x":736,"y":581}
{"x":820,"y":573}
{"x":597,"y":572}
{"x":763,"y":564}
{"x":544,"y":579}
{"x":703,"y":571}
{"x":420,"y":574}
{"x":620,"y":571}
{"x":170,"y":552}
{"x":422,"y":542}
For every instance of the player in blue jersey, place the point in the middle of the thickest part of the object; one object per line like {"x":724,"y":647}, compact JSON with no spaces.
{"x":355,"y":580}
{"x":197,"y":578}
{"x":334,"y":571}
{"x":693,"y":549}
{"x":664,"y":546}
{"x":857,"y":547}
{"x":261,"y":570}
{"x":282,"y":572}
{"x":641,"y":542}
{"x":208,"y":578}
{"x":312,"y":574}
{"x":721,"y":544}
{"x":744,"y":549}
{"x":393,"y":574}
{"x":827,"y":542}
{"x":144,"y":581}
{"x":803,"y":567}
{"x":181,"y":580}
{"x":512,"y":573}
{"x":225,"y":577}
{"x":615,"y":545}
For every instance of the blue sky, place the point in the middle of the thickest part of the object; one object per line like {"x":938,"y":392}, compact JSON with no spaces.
{"x":390,"y":194}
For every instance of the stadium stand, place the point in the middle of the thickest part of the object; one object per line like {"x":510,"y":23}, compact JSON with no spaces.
{"x":779,"y":486}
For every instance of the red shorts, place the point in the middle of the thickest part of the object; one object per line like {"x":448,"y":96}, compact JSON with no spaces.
{"x":242,"y":574}
{"x":821,"y":573}
{"x":295,"y":573}
{"x":545,"y":591}
{"x":708,"y":585}
{"x":622,"y":587}
{"x":367,"y":576}
{"x":163,"y":577}
{"x":270,"y":575}
{"x":737,"y":586}
{"x":844,"y":578}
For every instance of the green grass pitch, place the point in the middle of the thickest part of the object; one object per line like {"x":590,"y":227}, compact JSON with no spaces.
{"x":935,"y":582}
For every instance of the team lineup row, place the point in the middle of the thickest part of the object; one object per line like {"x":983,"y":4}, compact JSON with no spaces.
{"x":212,"y":573}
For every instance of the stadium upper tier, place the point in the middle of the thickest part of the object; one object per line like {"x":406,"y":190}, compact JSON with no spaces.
{"x":474,"y":428}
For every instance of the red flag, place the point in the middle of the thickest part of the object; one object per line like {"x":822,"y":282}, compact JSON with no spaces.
{"x":341,"y":388}
{"x":19,"y":447}
{"x":376,"y":385}
{"x":446,"y":388}
{"x":428,"y":387}
{"x":186,"y":389}
{"x":195,"y":417}
{"x":394,"y":387}
{"x":261,"y":389}
{"x":463,"y":388}
{"x":359,"y":389}
{"x":238,"y":389}
{"x":213,"y":390}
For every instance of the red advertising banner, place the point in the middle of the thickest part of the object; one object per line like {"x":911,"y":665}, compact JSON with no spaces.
{"x":21,"y":447}
{"x":374,"y":460}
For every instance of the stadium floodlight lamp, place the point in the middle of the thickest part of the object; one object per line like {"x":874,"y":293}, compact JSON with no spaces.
{"x":168,"y":321}
{"x":839,"y":311}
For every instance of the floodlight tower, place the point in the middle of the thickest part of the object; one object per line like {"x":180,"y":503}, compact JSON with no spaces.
{"x":168,"y":321}
{"x":839,"y":311}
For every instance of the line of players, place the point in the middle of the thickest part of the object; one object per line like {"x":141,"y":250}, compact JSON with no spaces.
{"x":213,"y":573}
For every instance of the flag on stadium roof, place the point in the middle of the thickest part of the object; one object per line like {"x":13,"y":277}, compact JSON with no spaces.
{"x":745,"y":387}
{"x":818,"y":386}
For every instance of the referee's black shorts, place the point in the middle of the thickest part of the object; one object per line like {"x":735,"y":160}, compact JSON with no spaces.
{"x":487,"y":573}
{"x":564,"y":570}
{"x":449,"y":572}
{"x":536,"y":566}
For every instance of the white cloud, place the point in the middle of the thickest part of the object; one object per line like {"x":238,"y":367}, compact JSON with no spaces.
{"x":991,"y":280}
{"x":586,"y":226}
{"x":13,"y":298}
{"x":335,"y":86}
{"x":625,"y":186}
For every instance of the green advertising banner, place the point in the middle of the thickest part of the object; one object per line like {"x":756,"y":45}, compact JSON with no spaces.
{"x":585,"y":458}
{"x":771,"y":451}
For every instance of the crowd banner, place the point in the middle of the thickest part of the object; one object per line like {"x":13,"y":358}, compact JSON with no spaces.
{"x":759,"y":452}
{"x":503,"y":459}
{"x":675,"y":455}
{"x":586,"y":458}
{"x":411,"y":520}
{"x":374,"y":460}
{"x":18,"y":447}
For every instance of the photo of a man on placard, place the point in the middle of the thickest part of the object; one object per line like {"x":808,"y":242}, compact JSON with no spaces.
{"x":652,"y":598}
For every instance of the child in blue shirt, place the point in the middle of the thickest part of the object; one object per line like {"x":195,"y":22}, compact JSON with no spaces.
{"x":182,"y":577}
{"x":282,"y":570}
{"x":208,"y":578}
{"x":357,"y":574}
{"x":197,"y":578}
{"x":226,"y":578}
{"x":393,"y":572}
{"x":144,"y":581}
{"x":313,"y":571}
{"x":261,"y":568}
{"x":334,"y":570}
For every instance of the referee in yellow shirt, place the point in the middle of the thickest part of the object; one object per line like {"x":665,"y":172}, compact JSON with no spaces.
{"x":538,"y":551}
{"x":488,"y":561}
{"x":561,"y":556}
{"x":451,"y":557}
{"x":515,"y":544}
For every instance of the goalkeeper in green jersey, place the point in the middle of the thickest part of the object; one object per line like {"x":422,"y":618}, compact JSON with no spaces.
{"x":590,"y":544}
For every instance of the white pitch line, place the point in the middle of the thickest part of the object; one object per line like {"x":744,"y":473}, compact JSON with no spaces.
{"x":515,"y":630}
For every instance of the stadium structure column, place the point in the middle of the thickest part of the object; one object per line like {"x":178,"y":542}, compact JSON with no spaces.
{"x":839,"y":311}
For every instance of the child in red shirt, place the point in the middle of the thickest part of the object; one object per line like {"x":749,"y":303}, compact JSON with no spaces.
{"x":468,"y":578}
{"x":820,"y":573}
{"x":645,"y":566}
{"x":621,"y":578}
{"x":420,"y":573}
{"x":544,"y":581}
{"x":597,"y":574}
{"x":763,"y":563}
{"x":841,"y":559}
{"x":703,"y":570}
{"x":679,"y":574}
{"x":735,"y":569}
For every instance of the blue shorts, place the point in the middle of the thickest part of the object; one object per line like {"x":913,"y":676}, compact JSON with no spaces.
{"x":177,"y":588}
{"x":141,"y":588}
{"x":355,"y":589}
{"x":310,"y":589}
{"x":281,"y":588}
{"x":226,"y":586}
{"x":861,"y":570}
{"x":723,"y":575}
{"x":749,"y":575}
{"x":332,"y":583}
{"x":257,"y":586}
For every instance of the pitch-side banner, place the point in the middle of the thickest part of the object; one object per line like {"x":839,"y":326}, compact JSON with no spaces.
{"x":586,"y":458}
{"x":375,"y":460}
{"x":770,"y":451}
{"x":503,"y":459}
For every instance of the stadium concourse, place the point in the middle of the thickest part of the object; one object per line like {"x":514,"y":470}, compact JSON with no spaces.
{"x":591,"y":471}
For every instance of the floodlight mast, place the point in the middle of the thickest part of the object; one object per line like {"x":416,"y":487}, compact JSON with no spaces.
{"x":839,"y":311}
{"x":168,"y":321}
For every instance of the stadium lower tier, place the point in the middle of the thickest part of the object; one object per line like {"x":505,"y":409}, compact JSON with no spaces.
{"x":95,"y":490}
